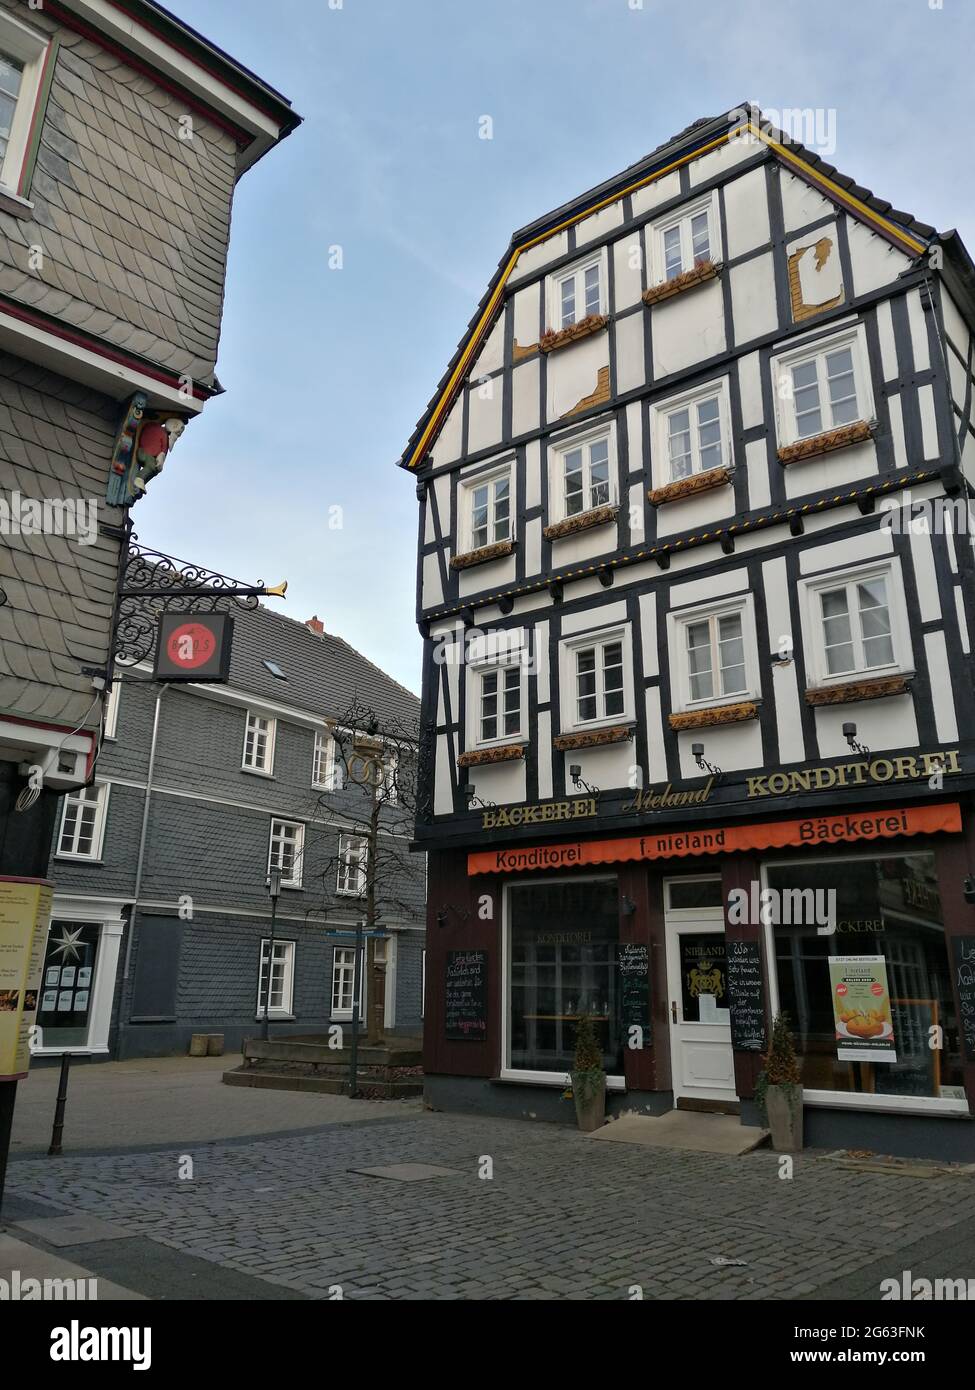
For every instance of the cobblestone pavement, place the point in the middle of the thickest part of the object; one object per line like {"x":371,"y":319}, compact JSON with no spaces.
{"x":561,"y":1217}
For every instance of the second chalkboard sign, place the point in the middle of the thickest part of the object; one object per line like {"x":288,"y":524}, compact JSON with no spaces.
{"x":746,"y":996}
{"x":634,"y":971}
{"x":963,"y":948}
{"x":465,"y":998}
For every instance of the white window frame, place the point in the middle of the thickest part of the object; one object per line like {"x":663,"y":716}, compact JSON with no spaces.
{"x":324,"y":752}
{"x":814,"y":644}
{"x":475,"y":695}
{"x":466,"y":505}
{"x":265,"y":769}
{"x":542,"y":1078}
{"x":600,"y":637}
{"x":681,"y":217}
{"x":347,"y":860}
{"x":577,"y":272}
{"x":678,"y":622}
{"x":845,"y":1100}
{"x":30,"y":48}
{"x":286,"y":1008}
{"x":817,"y":349}
{"x":100,"y":801}
{"x":345,"y":1015}
{"x":111,"y":710}
{"x":660,"y":413}
{"x":295,"y":881}
{"x":565,"y":444}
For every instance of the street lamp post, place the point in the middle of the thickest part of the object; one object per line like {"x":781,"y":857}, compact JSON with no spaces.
{"x":273,"y":892}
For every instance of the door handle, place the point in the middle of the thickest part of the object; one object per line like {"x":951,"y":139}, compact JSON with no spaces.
{"x":673,"y":1010}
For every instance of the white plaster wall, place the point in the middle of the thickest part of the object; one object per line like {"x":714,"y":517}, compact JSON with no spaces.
{"x":650,"y":197}
{"x":657,"y":771}
{"x":637,"y":503}
{"x":526,"y":312}
{"x":725,"y":157}
{"x":955,"y":326}
{"x":696,"y":513}
{"x":573,"y":372}
{"x":571,"y":550}
{"x":533,"y":546}
{"x":888,"y":350}
{"x":634,"y":438}
{"x":533,"y":473}
{"x":591,"y":619}
{"x":538,"y":256}
{"x":707,"y":587}
{"x":753,"y":299}
{"x":442,"y":798}
{"x":543,"y":674}
{"x":756,"y":469}
{"x":607,"y":768}
{"x":504,"y":783}
{"x":929,"y":423}
{"x":897,"y":437}
{"x":918,"y":322}
{"x":599,"y":225}
{"x":750,"y":389}
{"x":484,"y":415}
{"x":495,"y":574}
{"x":730,"y":746}
{"x":922,"y":553}
{"x":631,"y":370}
{"x":875,"y":262}
{"x":432,"y":588}
{"x":525,"y":397}
{"x":852,"y":550}
{"x":800,"y":203}
{"x":746,"y":213}
{"x":831,"y":471}
{"x":688,"y":328}
{"x":880,"y":724}
{"x":627,"y":262}
{"x":491,"y":356}
{"x":544,"y":753}
{"x":648,"y":634}
{"x":447,"y":447}
{"x":939,"y":669}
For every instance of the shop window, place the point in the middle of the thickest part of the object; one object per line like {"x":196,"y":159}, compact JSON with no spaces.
{"x":281,"y":1000}
{"x":563,"y":940}
{"x":67,"y":984}
{"x":867,"y":1000}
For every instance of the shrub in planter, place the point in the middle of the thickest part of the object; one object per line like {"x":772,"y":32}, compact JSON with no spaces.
{"x":588,"y":1077}
{"x":778,"y":1092}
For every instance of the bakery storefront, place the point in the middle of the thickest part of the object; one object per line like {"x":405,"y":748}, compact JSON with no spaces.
{"x":683,"y":943}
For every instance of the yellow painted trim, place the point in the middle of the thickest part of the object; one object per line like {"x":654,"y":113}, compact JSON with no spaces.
{"x":433,"y":425}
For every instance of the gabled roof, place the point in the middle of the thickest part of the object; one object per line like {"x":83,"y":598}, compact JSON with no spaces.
{"x":703,"y":135}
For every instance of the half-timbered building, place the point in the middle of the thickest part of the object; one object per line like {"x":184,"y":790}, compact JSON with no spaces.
{"x":695,"y":583}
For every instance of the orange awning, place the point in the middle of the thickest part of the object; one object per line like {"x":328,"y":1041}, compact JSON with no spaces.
{"x":695,"y":840}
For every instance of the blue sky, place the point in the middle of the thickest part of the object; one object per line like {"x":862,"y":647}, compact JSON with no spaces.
{"x":327,"y":371}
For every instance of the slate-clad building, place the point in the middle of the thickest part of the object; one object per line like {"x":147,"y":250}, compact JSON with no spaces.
{"x":173,"y":927}
{"x":122,"y":135}
{"x":695,"y":583}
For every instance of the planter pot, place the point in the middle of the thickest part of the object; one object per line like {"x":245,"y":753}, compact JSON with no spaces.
{"x":783,"y":1105}
{"x":589,"y":1094}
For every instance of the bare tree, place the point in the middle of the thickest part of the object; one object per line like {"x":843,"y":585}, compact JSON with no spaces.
{"x":374,"y":799}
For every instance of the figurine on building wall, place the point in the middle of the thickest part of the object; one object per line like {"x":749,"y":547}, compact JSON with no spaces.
{"x":142,"y":447}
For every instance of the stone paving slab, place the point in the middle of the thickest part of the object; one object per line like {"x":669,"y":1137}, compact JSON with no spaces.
{"x":684,"y":1129}
{"x":534,"y":1211}
{"x":72,"y":1230}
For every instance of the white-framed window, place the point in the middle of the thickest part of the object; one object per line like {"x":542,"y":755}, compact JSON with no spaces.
{"x":597,"y":679}
{"x":582,"y":474}
{"x":691,"y":433}
{"x":286,"y":851}
{"x":685,"y":238}
{"x":578,"y":292}
{"x":259,"y":743}
{"x":487,"y":503}
{"x":281,"y":1000}
{"x":22,"y":56}
{"x":821,"y":386}
{"x":353,"y":859}
{"x":325,"y":772}
{"x":499,"y":703}
{"x":343,"y":983}
{"x":714,"y":653}
{"x":857,"y":624}
{"x":82,"y":829}
{"x":111,"y":709}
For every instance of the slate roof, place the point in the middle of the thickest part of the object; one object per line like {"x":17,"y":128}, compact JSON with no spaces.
{"x":696,"y":133}
{"x":324,"y":673}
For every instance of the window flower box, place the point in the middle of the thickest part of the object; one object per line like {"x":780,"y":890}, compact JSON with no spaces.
{"x":481,"y":556}
{"x":593,"y":738}
{"x":706,"y":270}
{"x":582,"y":521}
{"x":689,"y":487}
{"x":552,"y":339}
{"x":714,"y":714}
{"x":848,"y":692}
{"x":481,"y":757}
{"x":825,"y":443}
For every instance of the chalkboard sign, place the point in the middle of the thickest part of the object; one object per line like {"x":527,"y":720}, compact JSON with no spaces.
{"x":633,"y":961}
{"x":746,"y":995}
{"x":465,"y":1003}
{"x":963,"y":948}
{"x":917,"y":1071}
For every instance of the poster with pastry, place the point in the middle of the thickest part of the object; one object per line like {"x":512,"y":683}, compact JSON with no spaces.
{"x":861,"y":1009}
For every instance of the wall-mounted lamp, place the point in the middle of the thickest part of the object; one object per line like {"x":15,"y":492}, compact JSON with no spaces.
{"x":627,"y":906}
{"x":472,"y":800}
{"x":441,"y":916}
{"x":578,"y":781}
{"x":697,"y":749}
{"x":969,"y":890}
{"x":850,"y":734}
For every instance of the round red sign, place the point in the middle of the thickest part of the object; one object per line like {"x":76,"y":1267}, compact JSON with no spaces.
{"x":842,"y":988}
{"x":190,"y":645}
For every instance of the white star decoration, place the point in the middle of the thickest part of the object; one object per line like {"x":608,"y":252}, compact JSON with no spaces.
{"x":67,"y":945}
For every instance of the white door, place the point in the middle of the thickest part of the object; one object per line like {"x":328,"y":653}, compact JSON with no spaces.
{"x":702,"y":1062}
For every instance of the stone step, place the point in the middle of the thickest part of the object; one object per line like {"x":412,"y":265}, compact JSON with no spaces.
{"x":323,"y":1085}
{"x":319,"y":1053}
